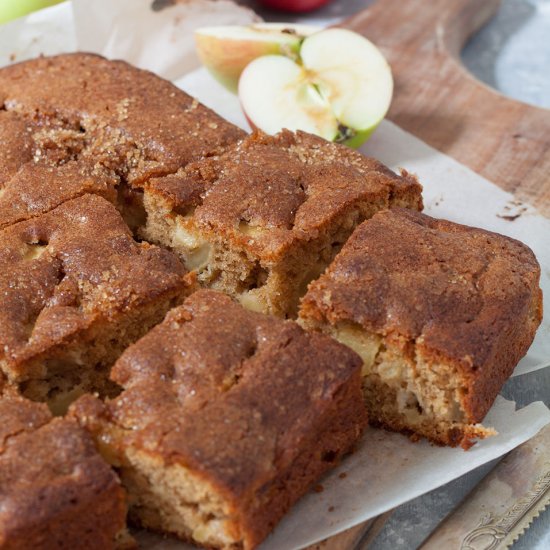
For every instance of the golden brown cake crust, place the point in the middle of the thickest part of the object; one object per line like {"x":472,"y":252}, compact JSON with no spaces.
{"x":464,"y":295}
{"x":69,"y":268}
{"x":55,"y":490}
{"x":79,"y":123}
{"x":238,"y":398}
{"x":17,"y":145}
{"x":39,"y":187}
{"x":41,"y":167}
{"x":119,"y":108}
{"x":291,"y":184}
{"x":19,"y":415}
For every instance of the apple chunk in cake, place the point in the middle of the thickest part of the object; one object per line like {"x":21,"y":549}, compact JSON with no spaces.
{"x":76,"y":290}
{"x":226,"y":419}
{"x":440,"y":313}
{"x":263,"y":220}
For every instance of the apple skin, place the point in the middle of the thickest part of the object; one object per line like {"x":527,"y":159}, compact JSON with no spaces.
{"x":360,"y":137}
{"x":227,"y":56}
{"x":226,"y":59}
{"x":296,"y":6}
{"x":354,"y":142}
{"x":12,"y":9}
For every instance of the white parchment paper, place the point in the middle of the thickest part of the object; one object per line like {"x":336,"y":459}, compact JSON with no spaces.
{"x":152,"y":34}
{"x":387,"y":469}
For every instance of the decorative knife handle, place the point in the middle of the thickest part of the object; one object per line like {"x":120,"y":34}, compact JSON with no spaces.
{"x":508,"y":499}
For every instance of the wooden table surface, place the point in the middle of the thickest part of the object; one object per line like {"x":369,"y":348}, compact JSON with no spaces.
{"x":439,"y":101}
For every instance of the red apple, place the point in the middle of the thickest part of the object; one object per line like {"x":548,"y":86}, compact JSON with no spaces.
{"x":294,"y":5}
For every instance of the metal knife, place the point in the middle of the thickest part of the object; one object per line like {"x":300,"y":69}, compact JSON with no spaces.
{"x":500,"y":508}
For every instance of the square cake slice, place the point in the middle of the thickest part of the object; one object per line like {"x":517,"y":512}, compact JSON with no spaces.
{"x":266,"y":218}
{"x":226,"y":419}
{"x":55,"y":489}
{"x":76,"y":290}
{"x":103,"y":126}
{"x":440,"y":313}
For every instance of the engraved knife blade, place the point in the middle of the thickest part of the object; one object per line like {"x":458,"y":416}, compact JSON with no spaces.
{"x":503,"y":505}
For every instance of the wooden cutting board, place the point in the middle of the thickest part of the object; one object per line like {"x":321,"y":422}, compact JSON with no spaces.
{"x":440,"y":102}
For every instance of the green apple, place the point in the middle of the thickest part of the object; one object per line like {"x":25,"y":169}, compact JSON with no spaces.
{"x":12,"y":9}
{"x":226,"y":50}
{"x":340,"y":88}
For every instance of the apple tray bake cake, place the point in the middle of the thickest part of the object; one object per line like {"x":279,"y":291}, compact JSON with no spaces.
{"x":205,"y":413}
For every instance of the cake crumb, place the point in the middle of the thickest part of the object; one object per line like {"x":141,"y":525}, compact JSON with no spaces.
{"x":513,"y":210}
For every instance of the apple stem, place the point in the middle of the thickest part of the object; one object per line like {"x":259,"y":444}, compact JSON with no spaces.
{"x":344,"y":133}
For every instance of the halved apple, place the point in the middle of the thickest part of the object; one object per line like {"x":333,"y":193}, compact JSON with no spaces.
{"x":340,"y":88}
{"x":226,"y":50}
